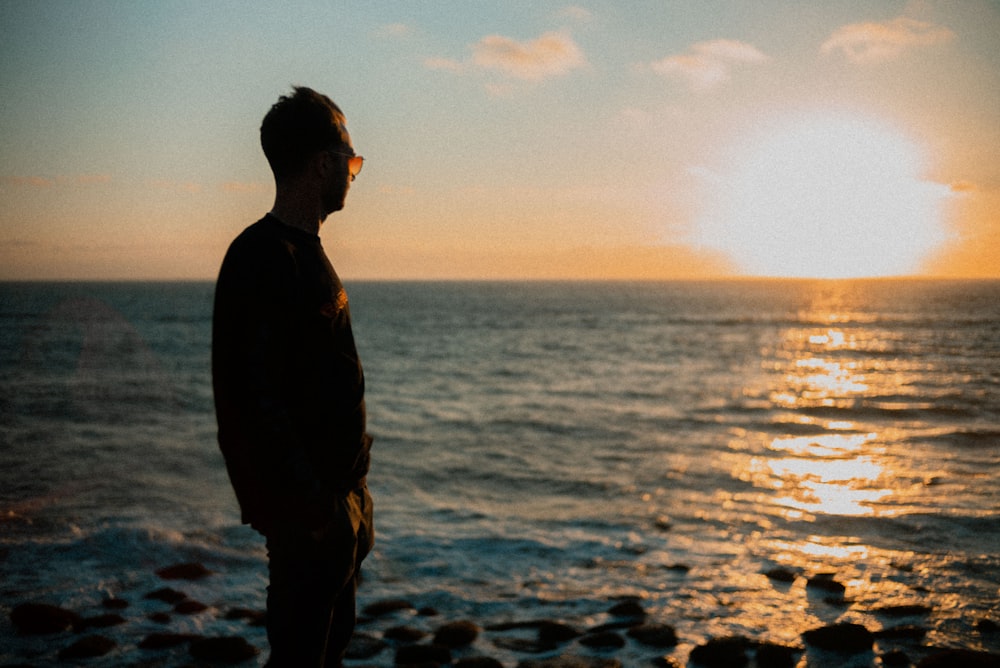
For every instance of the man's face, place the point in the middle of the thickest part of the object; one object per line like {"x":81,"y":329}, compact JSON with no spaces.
{"x":341,"y":167}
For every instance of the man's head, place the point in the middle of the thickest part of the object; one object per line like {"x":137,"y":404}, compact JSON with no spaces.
{"x":305,"y":139}
{"x":298,"y":127}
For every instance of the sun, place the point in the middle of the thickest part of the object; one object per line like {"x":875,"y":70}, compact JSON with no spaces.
{"x":825,"y":196}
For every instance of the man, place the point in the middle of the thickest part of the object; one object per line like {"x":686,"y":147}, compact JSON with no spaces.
{"x":289,"y":388}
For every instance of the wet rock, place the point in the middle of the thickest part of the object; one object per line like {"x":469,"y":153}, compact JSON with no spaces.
{"x":382,"y":608}
{"x":190,"y":607}
{"x":654,"y":635}
{"x":844,"y":638}
{"x":721,"y":653}
{"x":895,"y":658}
{"x":556,"y":632}
{"x":987,"y":626}
{"x":87,"y":648}
{"x":603,"y":640}
{"x":408,"y":655}
{"x":966,"y":658}
{"x":159,"y":618}
{"x":407,"y":634}
{"x":41,"y":618}
{"x":665,"y":662}
{"x":825,"y":582}
{"x":457,"y":634}
{"x":903,"y":610}
{"x":223,"y":649}
{"x":364,"y":646}
{"x":570,"y":661}
{"x":770,"y":655}
{"x":525,"y":645}
{"x":167,"y":595}
{"x":781,"y":575}
{"x":113,"y":603}
{"x":99,"y":622}
{"x":629,"y":608}
{"x":252,"y":617}
{"x":189,"y":571}
{"x":155,"y":641}
{"x":663,"y":523}
{"x":478,"y":662}
{"x":901,"y":632}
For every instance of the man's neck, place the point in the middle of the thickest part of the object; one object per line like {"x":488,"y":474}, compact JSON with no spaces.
{"x":299,"y":217}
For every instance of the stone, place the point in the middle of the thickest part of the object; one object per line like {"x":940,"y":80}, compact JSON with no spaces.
{"x":843,"y":638}
{"x":478,"y":662}
{"x":825,"y":582}
{"x":900,"y":632}
{"x":987,"y":626}
{"x":654,"y":635}
{"x":457,"y":634}
{"x":159,"y":618}
{"x":422,"y":654}
{"x":556,"y":632}
{"x":41,"y":618}
{"x":167,"y":595}
{"x":602,"y":640}
{"x":113,"y":603}
{"x":87,"y":647}
{"x":770,"y":655}
{"x":571,"y":661}
{"x":224,"y":649}
{"x":251,"y":617}
{"x":382,"y":608}
{"x":781,"y":575}
{"x":99,"y":622}
{"x":189,"y":571}
{"x":966,"y":658}
{"x":721,"y":653}
{"x":903,"y":610}
{"x":629,"y":608}
{"x":407,"y":634}
{"x":190,"y":607}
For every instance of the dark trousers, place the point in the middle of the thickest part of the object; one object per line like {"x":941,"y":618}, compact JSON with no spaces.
{"x":313,"y":581}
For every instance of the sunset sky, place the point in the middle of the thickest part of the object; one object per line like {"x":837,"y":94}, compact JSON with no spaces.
{"x":602,"y":139}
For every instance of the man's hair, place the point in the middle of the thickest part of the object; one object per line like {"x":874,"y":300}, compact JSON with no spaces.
{"x":297,"y":127}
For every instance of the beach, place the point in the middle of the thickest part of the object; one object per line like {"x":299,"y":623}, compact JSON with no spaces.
{"x":562,"y":472}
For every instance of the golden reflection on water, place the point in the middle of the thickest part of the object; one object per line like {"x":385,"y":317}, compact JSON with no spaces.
{"x":815,"y":372}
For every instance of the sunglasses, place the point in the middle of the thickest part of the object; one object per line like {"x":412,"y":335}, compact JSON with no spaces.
{"x":354,"y":162}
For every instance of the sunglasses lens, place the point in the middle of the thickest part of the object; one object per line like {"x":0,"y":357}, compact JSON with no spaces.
{"x":355,"y":164}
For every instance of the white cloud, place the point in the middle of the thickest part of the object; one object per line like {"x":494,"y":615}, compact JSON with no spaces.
{"x":707,"y":64}
{"x":878,"y":42}
{"x":551,"y":54}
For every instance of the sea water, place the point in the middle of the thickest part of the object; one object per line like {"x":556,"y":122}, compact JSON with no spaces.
{"x":542,"y":450}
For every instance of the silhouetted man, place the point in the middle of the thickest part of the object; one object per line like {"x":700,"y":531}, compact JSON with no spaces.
{"x":289,"y":388}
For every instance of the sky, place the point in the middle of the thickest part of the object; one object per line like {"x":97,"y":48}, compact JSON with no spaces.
{"x":603,"y":139}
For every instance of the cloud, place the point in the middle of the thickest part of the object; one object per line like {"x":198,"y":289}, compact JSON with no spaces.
{"x":878,"y":42}
{"x":242,"y":187}
{"x":175,"y":186}
{"x":707,"y":64}
{"x":40,"y":182}
{"x":551,"y":54}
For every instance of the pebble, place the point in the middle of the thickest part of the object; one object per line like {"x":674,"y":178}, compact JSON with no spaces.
{"x":189,"y":571}
{"x":843,"y":638}
{"x":87,"y":647}
{"x":721,"y":653}
{"x":41,"y":618}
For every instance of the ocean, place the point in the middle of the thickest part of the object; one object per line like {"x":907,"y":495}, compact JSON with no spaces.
{"x":542,"y":451}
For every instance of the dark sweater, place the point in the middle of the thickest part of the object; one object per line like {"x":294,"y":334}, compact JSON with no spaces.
{"x":289,"y":387}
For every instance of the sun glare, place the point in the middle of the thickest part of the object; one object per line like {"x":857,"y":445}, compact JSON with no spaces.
{"x":826,"y":197}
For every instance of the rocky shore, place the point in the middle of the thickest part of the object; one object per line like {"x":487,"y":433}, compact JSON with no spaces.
{"x":398,"y":633}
